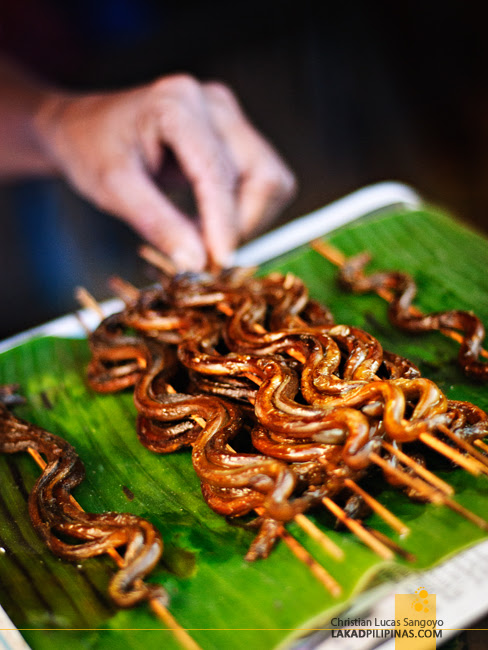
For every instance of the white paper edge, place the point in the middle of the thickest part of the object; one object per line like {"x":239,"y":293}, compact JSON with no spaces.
{"x":462,"y":598}
{"x":10,"y":637}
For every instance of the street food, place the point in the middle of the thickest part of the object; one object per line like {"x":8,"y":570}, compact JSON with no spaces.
{"x":57,"y":517}
{"x":282,"y":407}
{"x":402,"y":287}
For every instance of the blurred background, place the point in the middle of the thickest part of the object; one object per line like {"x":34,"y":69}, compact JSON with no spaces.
{"x":350,"y":94}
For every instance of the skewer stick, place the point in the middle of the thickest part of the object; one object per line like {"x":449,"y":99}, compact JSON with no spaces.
{"x":355,"y":527}
{"x":172,"y":624}
{"x":123,"y":289}
{"x":84,"y":297}
{"x":396,"y":548}
{"x":419,"y":469}
{"x":319,"y":536}
{"x":157,"y":259}
{"x":336,"y":257}
{"x":435,"y":496}
{"x":37,"y":457}
{"x":467,"y":447}
{"x":469,"y":464}
{"x":289,"y":280}
{"x":156,"y":605}
{"x":82,"y":323}
{"x":417,"y":484}
{"x":467,"y":514}
{"x":317,"y":569}
{"x":328,"y":251}
{"x":380,"y":509}
{"x":482,"y":445}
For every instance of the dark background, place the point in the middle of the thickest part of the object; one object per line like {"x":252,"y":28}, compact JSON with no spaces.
{"x":351,"y":94}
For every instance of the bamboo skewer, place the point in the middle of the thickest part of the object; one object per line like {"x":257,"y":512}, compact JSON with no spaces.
{"x":86,"y":300}
{"x":467,"y":447}
{"x":424,"y":489}
{"x":123,"y":289}
{"x":355,"y":527}
{"x":156,"y":605}
{"x":157,"y":259}
{"x":319,"y":536}
{"x":470,"y":465}
{"x":380,"y":509}
{"x":423,"y":472}
{"x":482,"y":445}
{"x":317,"y":569}
{"x":289,"y":279}
{"x":338,"y":258}
{"x":82,"y":323}
{"x":467,"y":514}
{"x":328,"y":251}
{"x":396,"y":548}
{"x":432,"y":494}
{"x":172,"y":624}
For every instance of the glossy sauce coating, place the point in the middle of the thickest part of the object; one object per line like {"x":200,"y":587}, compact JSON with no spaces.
{"x":279,"y":404}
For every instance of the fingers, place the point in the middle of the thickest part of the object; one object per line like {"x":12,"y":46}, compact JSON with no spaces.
{"x":266,"y":183}
{"x":107,"y":145}
{"x":131,"y":195}
{"x":179,"y":117}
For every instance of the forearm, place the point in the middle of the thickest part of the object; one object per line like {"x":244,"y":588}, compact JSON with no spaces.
{"x":20,"y":99}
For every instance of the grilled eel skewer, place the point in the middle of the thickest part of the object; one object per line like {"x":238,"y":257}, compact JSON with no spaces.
{"x":319,"y":399}
{"x":55,"y":514}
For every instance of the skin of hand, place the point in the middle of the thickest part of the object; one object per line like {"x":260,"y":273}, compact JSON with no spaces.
{"x":110,"y":146}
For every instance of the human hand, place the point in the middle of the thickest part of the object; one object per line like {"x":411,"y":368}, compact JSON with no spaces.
{"x":111,"y":145}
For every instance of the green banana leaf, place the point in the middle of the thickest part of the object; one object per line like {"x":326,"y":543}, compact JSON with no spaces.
{"x":222,"y":600}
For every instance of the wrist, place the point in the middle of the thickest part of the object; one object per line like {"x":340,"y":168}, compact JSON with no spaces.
{"x":21,"y":96}
{"x":44,"y":123}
